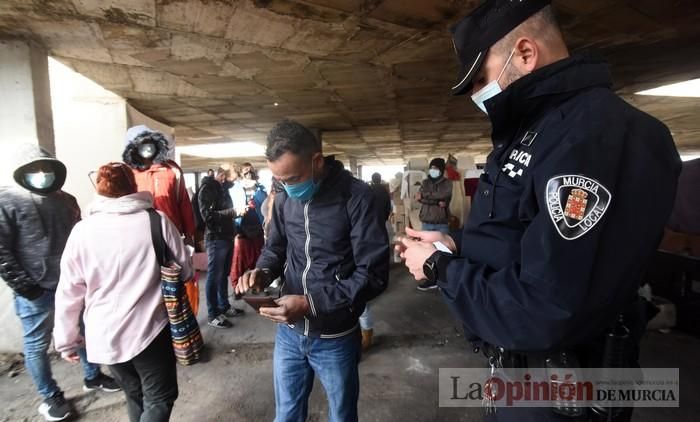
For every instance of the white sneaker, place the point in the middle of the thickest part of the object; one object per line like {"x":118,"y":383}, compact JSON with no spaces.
{"x":55,"y":408}
{"x":220,"y":322}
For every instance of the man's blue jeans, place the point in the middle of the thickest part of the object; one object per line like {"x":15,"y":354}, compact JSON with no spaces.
{"x":366,"y":319}
{"x":219,"y":257}
{"x":297,"y":358}
{"x":442,"y":228}
{"x":37,"y":317}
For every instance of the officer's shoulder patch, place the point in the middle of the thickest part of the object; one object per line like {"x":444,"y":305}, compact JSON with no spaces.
{"x":576,"y":204}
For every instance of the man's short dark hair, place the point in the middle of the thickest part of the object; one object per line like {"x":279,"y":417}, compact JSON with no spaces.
{"x":290,"y":136}
{"x":376,"y":178}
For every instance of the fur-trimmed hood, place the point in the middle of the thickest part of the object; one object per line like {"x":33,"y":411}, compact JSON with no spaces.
{"x":138,"y":135}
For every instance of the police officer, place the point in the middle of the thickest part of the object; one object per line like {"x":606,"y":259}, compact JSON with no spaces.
{"x":573,"y":200}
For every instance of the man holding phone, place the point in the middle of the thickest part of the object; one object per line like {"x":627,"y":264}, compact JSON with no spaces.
{"x":329,"y":242}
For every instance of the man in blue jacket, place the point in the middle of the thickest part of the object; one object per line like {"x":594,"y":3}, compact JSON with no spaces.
{"x":573,"y":200}
{"x":330,"y":244}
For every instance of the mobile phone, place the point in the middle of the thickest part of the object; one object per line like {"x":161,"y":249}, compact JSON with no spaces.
{"x":441,"y":247}
{"x":257,"y":302}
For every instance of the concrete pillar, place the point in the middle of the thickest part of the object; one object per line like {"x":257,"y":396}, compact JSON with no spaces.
{"x":90,"y":125}
{"x":25,"y":114}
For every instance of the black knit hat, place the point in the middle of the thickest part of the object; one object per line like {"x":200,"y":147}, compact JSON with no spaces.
{"x":439,"y":163}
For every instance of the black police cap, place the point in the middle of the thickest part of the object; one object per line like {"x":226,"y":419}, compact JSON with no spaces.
{"x":485,"y":26}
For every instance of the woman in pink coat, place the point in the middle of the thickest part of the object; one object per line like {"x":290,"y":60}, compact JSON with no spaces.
{"x":110,"y":270}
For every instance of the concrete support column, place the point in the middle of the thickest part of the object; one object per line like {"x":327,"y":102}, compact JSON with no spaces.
{"x":25,"y":114}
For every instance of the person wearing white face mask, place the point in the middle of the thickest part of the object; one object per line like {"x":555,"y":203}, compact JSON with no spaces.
{"x":36,"y":218}
{"x":434,"y":196}
{"x":147,"y":153}
{"x":573,"y":200}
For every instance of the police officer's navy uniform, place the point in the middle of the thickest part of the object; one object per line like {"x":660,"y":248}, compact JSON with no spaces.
{"x":572,"y":203}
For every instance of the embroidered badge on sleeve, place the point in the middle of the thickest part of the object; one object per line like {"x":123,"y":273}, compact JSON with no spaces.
{"x":576,"y":204}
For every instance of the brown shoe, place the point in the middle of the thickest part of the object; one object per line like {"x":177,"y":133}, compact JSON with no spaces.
{"x":367,"y":339}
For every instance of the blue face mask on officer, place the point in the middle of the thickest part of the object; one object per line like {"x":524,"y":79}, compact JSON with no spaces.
{"x":303,"y":191}
{"x":491,"y":89}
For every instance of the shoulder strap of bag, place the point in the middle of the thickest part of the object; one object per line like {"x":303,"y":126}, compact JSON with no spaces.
{"x":157,"y":236}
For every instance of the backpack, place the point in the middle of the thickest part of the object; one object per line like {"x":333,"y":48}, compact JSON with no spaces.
{"x":198,"y":219}
{"x":250,"y":225}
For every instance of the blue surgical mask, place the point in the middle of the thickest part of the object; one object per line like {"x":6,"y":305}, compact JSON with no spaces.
{"x":40,"y":180}
{"x":303,"y":191}
{"x":434,"y":173}
{"x":491,"y":89}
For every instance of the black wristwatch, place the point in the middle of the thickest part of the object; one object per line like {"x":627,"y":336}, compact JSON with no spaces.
{"x":430,"y":267}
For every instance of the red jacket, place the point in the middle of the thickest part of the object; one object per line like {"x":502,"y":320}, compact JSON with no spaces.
{"x":166,"y":183}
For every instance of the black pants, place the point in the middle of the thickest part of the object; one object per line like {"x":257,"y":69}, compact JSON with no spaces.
{"x":149,"y":381}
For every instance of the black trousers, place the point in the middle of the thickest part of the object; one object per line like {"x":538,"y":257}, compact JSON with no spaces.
{"x":149,"y":381}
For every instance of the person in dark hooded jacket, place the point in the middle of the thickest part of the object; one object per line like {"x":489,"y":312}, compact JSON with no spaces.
{"x":573,"y":201}
{"x":36,"y":218}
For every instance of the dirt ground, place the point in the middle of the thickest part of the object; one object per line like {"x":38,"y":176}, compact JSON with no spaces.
{"x":415,"y":336}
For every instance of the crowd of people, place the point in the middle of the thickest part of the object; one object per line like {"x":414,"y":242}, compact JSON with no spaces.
{"x":539,"y":271}
{"x":101,"y":301}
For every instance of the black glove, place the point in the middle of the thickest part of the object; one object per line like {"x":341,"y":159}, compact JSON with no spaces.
{"x":32,"y":293}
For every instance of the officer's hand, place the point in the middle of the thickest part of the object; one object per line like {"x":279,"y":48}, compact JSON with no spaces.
{"x":256,"y":280}
{"x":291,"y":308}
{"x":419,"y":196}
{"x":415,"y":254}
{"x":428,"y":237}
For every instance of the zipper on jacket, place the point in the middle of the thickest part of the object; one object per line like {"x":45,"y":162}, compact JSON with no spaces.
{"x":308,"y":260}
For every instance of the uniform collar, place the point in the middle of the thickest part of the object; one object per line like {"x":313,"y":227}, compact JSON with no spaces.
{"x":532,"y":95}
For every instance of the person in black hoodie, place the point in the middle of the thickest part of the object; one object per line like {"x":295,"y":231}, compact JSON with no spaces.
{"x":36,"y":217}
{"x":329,"y":240}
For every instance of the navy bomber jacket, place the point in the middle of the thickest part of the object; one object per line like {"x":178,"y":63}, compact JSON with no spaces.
{"x":314,"y":242}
